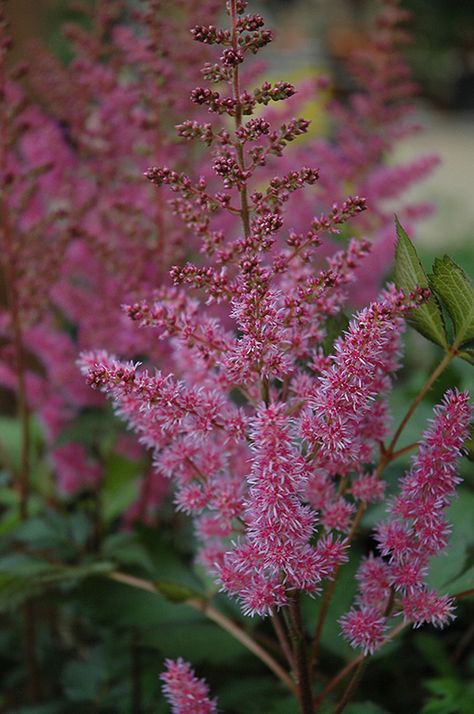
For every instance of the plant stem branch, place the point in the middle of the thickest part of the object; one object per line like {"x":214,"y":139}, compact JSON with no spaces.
{"x":244,"y":205}
{"x":220,"y":619}
{"x":351,"y":687}
{"x":419,"y":397}
{"x":404,"y":450}
{"x":301,"y":666}
{"x":353,"y":664}
{"x":283,"y":639}
{"x":330,"y":591}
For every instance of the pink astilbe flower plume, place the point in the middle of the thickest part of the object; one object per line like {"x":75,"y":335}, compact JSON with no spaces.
{"x":73,"y":176}
{"x":186,"y":693}
{"x":271,"y":410}
{"x":74,"y":181}
{"x":417,"y":529}
{"x":260,"y":479}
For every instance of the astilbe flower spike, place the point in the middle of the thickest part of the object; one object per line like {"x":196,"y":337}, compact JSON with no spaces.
{"x":103,"y":119}
{"x":267,"y":425}
{"x":186,"y":693}
{"x":248,"y":475}
{"x":72,"y":176}
{"x":416,"y":530}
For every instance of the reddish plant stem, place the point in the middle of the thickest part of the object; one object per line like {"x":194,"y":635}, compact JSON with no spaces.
{"x":404,"y":450}
{"x":353,"y":664}
{"x":301,"y":666}
{"x":19,"y":351}
{"x":330,"y":591}
{"x":464,"y":593}
{"x":244,"y":205}
{"x":351,"y":687}
{"x":283,"y":639}
{"x":23,"y":475}
{"x":220,"y":619}
{"x":419,"y":397}
{"x":387,"y":456}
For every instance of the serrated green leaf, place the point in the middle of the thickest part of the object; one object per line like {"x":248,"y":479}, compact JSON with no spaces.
{"x":409,"y":274}
{"x":175,"y":592}
{"x":451,"y":696}
{"x":453,"y":286}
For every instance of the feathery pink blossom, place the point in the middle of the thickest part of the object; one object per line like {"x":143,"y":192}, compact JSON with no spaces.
{"x":184,"y":691}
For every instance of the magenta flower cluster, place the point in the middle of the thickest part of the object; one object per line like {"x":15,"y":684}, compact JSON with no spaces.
{"x":185,"y":692}
{"x":72,"y":174}
{"x":269,"y":433}
{"x":269,"y":412}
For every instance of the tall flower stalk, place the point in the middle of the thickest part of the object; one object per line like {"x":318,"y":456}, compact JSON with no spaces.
{"x":272,"y":436}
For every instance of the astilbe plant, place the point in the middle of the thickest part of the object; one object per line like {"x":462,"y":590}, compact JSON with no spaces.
{"x":273,"y":432}
{"x":107,"y":115}
{"x":72,"y":176}
{"x":365,"y":128}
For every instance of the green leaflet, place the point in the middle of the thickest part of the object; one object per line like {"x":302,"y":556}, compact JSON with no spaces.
{"x":409,"y":274}
{"x":456,"y":290}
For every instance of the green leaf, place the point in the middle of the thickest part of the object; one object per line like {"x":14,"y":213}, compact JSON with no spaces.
{"x":23,"y":577}
{"x":469,"y":444}
{"x":126,"y":549}
{"x":449,"y":565}
{"x":106,"y":601}
{"x":83,"y":681}
{"x":335,"y":326}
{"x":175,"y":592}
{"x":409,"y":274}
{"x":451,"y":696}
{"x":456,"y":290}
{"x":467,"y":354}
{"x":90,"y":427}
{"x":120,"y":486}
{"x":434,"y":653}
{"x":198,"y":642}
{"x":50,"y":708}
{"x":464,"y":582}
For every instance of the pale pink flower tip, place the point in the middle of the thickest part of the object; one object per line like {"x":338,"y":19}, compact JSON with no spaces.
{"x":184,"y":691}
{"x":364,"y":628}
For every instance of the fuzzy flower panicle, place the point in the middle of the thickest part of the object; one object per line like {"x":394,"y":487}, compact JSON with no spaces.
{"x":417,"y":528}
{"x":186,"y":693}
{"x":270,"y":422}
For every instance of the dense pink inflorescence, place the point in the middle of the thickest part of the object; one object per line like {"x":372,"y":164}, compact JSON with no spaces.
{"x":186,"y":693}
{"x":109,"y":115}
{"x":72,"y":175}
{"x":271,"y":421}
{"x":258,"y":477}
{"x":416,"y":530}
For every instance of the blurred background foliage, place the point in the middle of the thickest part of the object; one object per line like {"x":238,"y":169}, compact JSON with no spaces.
{"x":101,"y":643}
